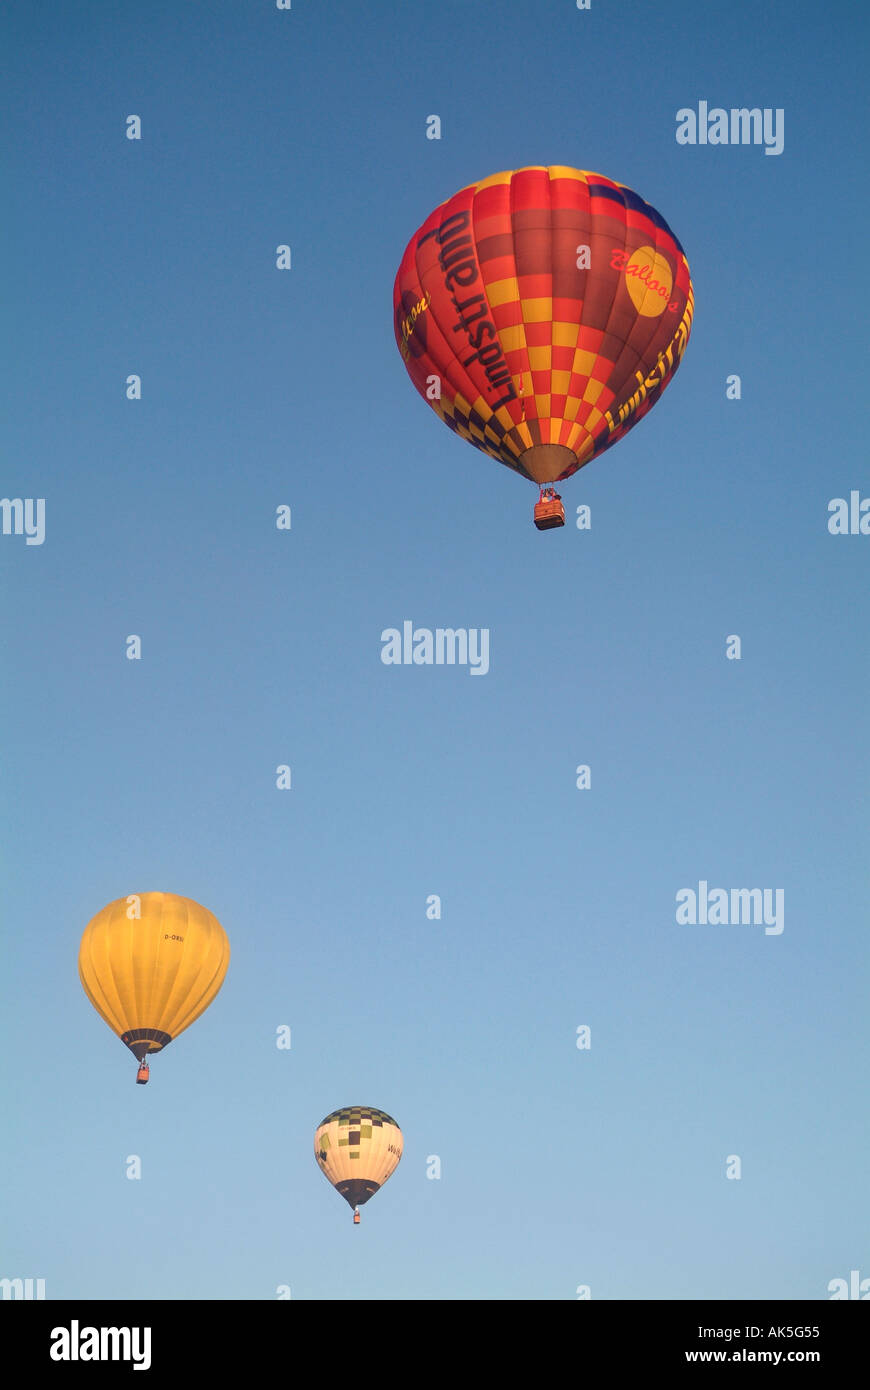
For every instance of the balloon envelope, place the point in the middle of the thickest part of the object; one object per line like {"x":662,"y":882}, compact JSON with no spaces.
{"x":150,"y":976}
{"x":541,"y":313}
{"x":357,"y":1149}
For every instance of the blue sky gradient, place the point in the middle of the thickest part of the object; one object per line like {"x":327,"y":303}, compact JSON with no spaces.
{"x":560,"y":1167}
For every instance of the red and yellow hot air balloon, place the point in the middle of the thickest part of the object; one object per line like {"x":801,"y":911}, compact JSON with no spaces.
{"x":541,"y":313}
{"x":150,"y":964}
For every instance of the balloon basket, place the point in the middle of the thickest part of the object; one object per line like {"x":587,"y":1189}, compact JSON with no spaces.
{"x":549,"y":511}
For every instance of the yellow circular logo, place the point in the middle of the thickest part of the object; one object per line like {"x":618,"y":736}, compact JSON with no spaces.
{"x":648,"y":279}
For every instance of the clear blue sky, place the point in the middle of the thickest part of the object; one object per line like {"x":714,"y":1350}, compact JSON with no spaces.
{"x":260,"y":647}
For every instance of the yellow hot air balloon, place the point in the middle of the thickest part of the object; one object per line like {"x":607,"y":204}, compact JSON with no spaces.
{"x":357,"y":1149}
{"x":150,"y":964}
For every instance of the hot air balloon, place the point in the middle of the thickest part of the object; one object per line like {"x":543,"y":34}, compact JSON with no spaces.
{"x":150,"y":964}
{"x":357,"y":1149}
{"x":541,"y":313}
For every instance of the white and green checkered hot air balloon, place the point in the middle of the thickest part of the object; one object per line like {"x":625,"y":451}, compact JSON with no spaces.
{"x":357,"y":1149}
